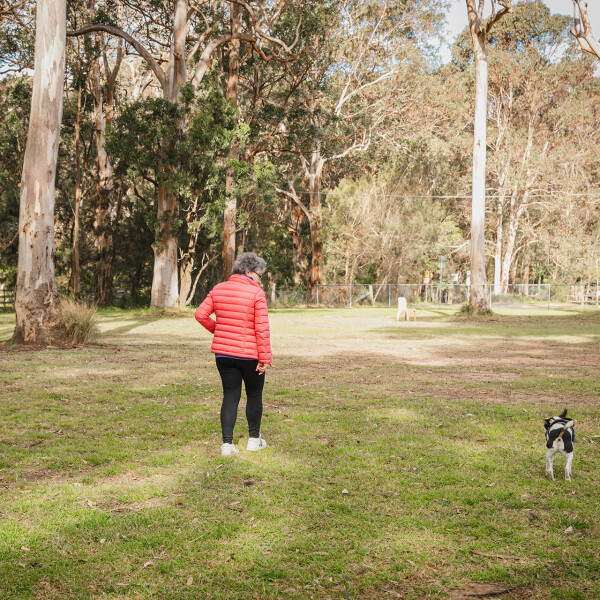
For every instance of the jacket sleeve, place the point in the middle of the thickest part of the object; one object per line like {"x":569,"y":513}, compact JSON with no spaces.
{"x":261,"y":329}
{"x":203,"y":313}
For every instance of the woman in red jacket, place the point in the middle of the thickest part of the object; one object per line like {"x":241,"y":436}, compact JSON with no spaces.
{"x":241,"y":345}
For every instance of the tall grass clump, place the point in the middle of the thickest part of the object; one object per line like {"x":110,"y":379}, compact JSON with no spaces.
{"x":79,"y":322}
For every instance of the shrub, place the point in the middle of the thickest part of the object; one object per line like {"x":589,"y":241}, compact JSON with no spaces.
{"x":79,"y":321}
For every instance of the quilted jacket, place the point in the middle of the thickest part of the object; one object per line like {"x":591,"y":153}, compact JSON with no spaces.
{"x":242,"y":321}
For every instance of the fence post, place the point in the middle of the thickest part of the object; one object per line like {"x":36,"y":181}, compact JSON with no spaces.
{"x":350,"y":305}
{"x":390,"y":293}
{"x":548,"y":296}
{"x":317,"y":294}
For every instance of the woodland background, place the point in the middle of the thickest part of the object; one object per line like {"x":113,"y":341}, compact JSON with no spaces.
{"x":337,"y":146}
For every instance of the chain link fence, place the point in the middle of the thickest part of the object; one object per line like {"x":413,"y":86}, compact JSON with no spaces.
{"x":445,"y":294}
{"x":385,"y":294}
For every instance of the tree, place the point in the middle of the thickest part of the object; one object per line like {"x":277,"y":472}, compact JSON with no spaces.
{"x":529,"y":79}
{"x":37,"y":303}
{"x":354,"y":87}
{"x":582,"y":29}
{"x":480,"y":29}
{"x":171,"y":80}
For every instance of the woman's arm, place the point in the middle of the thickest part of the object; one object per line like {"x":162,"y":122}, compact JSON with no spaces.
{"x":261,"y":329}
{"x":203,"y":313}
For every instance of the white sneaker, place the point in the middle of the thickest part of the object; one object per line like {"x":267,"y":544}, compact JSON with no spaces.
{"x":229,"y":450}
{"x":255,"y":444}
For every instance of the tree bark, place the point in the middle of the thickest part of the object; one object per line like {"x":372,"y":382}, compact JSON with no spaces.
{"x":313,"y":172}
{"x":105,"y":191}
{"x":498,"y":249}
{"x":478,"y":296}
{"x":230,"y":213}
{"x":165,"y":291}
{"x":516,"y":211}
{"x":37,"y":303}
{"x":297,"y":247}
{"x":187,"y":262}
{"x":73,"y":287}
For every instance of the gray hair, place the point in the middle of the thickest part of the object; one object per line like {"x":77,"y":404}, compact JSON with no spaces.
{"x":248,"y":261}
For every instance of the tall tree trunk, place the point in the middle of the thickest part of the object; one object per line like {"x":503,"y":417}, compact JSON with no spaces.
{"x":478,"y":296}
{"x":498,"y":249}
{"x":73,"y":286}
{"x":165,"y":291}
{"x":297,"y":247}
{"x":313,"y":171}
{"x":186,"y":264}
{"x":37,"y":303}
{"x":230,"y":213}
{"x":516,"y":211}
{"x":105,"y":191}
{"x":526,"y":274}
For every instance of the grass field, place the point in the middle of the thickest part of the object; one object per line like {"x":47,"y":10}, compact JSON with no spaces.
{"x":405,"y":460}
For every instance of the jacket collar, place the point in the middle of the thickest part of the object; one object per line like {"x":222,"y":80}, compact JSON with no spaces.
{"x":244,"y":279}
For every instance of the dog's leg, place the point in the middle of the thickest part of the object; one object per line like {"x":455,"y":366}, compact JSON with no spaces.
{"x":568,"y":466}
{"x":550,"y":462}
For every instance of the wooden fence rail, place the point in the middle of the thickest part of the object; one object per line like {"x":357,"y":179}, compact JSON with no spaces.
{"x":7,"y":300}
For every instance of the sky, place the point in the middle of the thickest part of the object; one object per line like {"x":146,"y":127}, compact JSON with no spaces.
{"x":458,"y":20}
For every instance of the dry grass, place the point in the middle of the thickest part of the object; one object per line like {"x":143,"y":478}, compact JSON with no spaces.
{"x":79,"y":321}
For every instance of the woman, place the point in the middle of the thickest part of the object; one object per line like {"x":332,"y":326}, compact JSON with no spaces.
{"x":241,"y":345}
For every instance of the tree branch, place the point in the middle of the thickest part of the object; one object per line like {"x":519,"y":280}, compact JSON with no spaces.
{"x":205,"y":60}
{"x":506,"y":8}
{"x":152,"y":63}
{"x":294,"y":197}
{"x":263,"y":34}
{"x":585,"y":37}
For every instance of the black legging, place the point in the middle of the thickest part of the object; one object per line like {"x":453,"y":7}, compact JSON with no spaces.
{"x":233,"y":371}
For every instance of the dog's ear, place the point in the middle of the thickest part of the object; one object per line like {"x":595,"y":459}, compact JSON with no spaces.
{"x":563,"y":414}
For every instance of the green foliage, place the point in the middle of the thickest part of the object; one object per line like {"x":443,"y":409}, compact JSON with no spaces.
{"x":15,"y":96}
{"x":530,"y":31}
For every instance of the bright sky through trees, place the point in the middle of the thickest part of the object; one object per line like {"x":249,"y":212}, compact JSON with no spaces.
{"x":457,"y":18}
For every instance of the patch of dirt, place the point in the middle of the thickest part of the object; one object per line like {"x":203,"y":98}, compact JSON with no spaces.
{"x":482,"y":590}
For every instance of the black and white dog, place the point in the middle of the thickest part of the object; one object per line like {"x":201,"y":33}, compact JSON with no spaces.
{"x":560,"y":437}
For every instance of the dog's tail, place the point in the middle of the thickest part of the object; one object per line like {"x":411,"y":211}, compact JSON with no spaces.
{"x":566,"y":426}
{"x":563,"y":414}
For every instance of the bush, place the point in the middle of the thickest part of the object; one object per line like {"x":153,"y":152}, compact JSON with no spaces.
{"x":79,"y":321}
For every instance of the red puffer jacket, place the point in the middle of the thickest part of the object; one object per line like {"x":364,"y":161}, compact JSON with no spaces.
{"x":242,"y":326}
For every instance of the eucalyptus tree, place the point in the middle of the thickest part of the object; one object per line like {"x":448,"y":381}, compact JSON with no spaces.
{"x":582,"y":29}
{"x":532,"y":72}
{"x":356,"y":85}
{"x":480,"y":30}
{"x":15,"y":96}
{"x":192,"y":34}
{"x":37,"y":303}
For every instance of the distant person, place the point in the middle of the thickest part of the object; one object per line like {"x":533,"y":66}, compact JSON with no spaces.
{"x":241,"y":345}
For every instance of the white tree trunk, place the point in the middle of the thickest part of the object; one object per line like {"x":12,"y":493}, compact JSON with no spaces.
{"x":312,"y":173}
{"x":516,"y":212}
{"x":479,"y":297}
{"x":165,"y":292}
{"x":498,"y":252}
{"x":37,"y":304}
{"x":230,"y":213}
{"x":104,"y":209}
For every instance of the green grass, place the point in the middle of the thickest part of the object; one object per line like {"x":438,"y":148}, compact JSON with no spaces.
{"x":111,"y":483}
